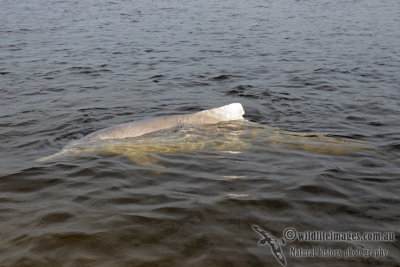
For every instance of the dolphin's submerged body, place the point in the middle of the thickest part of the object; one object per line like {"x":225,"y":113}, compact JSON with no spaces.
{"x":219,"y":129}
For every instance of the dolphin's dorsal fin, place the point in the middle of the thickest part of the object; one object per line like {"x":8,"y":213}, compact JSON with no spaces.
{"x":229,"y":112}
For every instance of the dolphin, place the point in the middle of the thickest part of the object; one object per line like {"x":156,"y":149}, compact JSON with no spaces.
{"x":231,"y":112}
{"x":220,"y":129}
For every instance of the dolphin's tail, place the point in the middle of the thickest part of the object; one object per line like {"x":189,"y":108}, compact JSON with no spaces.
{"x":229,"y":112}
{"x":63,"y":153}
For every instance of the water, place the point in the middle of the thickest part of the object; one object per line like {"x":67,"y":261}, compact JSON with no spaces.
{"x":70,"y":68}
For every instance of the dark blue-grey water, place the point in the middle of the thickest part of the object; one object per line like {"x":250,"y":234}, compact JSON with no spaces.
{"x":68,"y":68}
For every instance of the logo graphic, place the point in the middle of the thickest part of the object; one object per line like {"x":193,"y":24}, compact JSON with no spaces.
{"x":291,"y":234}
{"x":273,"y":242}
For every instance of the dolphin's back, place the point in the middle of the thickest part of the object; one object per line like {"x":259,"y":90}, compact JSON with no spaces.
{"x":133,"y":129}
